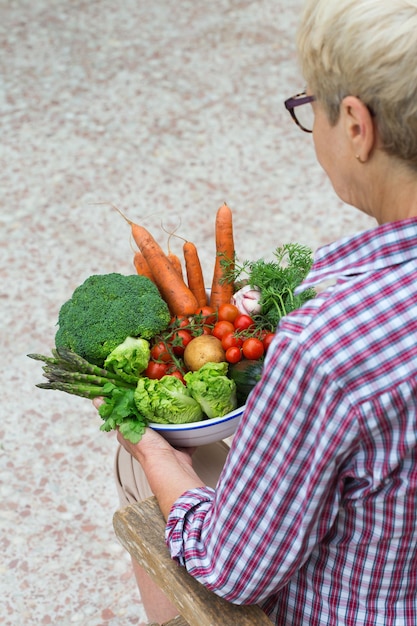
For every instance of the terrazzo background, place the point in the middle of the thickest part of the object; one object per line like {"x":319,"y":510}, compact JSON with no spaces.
{"x":165,"y":109}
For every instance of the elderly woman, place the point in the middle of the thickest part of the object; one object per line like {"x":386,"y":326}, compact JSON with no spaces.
{"x":314,"y":515}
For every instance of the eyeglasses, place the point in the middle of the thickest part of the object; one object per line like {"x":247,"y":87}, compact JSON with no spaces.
{"x":304,"y":118}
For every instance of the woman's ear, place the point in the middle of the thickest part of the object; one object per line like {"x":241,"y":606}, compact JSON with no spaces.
{"x":359,"y":126}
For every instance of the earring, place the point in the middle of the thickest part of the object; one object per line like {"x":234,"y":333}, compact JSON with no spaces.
{"x":359,"y":158}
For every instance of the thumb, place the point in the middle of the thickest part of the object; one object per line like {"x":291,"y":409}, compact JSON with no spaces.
{"x":97,"y":402}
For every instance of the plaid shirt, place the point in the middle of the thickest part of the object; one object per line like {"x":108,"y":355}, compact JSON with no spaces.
{"x":315,"y":513}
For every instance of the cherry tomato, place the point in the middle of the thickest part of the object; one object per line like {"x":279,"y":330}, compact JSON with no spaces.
{"x":179,"y":322}
{"x":228,"y":312}
{"x":253,"y":348}
{"x":156,"y":370}
{"x":177,"y":374}
{"x":233,"y":354}
{"x":222,"y":328}
{"x":159,"y":352}
{"x":267,"y":340}
{"x":180,"y":339}
{"x":230,"y":340}
{"x":208,"y":313}
{"x":243,"y":322}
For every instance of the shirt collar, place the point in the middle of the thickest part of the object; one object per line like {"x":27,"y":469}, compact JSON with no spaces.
{"x":378,"y":248}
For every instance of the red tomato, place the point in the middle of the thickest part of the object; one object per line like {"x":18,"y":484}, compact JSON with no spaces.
{"x":179,"y":322}
{"x":243,"y":322}
{"x":208,"y":313}
{"x":156,"y":370}
{"x":233,"y":354}
{"x":231,"y":341}
{"x":228,"y":312}
{"x":159,"y":352}
{"x":253,"y":348}
{"x":177,"y":374}
{"x":267,"y":340}
{"x":180,"y":339}
{"x":222,"y":328}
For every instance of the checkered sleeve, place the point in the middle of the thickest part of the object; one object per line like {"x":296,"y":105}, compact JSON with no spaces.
{"x":278,"y":494}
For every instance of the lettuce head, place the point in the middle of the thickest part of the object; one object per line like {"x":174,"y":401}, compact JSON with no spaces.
{"x":129,"y":359}
{"x":213,"y":390}
{"x":166,"y":401}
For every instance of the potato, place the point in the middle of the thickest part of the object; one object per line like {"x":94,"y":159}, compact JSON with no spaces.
{"x":201,"y":350}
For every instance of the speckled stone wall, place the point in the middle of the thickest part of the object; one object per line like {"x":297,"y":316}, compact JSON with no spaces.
{"x":165,"y":109}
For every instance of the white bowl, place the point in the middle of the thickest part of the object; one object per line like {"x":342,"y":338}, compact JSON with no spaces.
{"x":200,"y":433}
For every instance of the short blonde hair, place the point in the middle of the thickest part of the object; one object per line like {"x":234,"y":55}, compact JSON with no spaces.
{"x":365,"y":48}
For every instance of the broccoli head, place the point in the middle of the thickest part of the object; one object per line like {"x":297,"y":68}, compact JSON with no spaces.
{"x":106,"y":309}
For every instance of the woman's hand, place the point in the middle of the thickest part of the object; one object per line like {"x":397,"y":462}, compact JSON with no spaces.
{"x":150,"y":440}
{"x":153,"y":444}
{"x":169,"y":470}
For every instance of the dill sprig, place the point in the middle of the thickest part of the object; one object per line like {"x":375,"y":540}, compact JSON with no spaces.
{"x":276,"y":279}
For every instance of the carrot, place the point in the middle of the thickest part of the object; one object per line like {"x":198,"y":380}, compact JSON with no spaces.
{"x":221,"y":290}
{"x":179,"y":298}
{"x":194,"y":273}
{"x":175,"y":262}
{"x":141,"y":265}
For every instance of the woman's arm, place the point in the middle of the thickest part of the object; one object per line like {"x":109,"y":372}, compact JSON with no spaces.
{"x":169,"y":471}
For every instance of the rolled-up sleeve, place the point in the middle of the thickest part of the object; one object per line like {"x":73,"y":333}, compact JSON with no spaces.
{"x":194,"y":506}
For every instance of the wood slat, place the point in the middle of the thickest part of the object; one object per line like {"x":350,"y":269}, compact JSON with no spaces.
{"x":176,"y":621}
{"x":140,"y":528}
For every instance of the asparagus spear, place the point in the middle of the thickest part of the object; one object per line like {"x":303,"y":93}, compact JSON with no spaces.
{"x":68,"y":372}
{"x":77,"y":389}
{"x":54,"y":373}
{"x":67,"y":360}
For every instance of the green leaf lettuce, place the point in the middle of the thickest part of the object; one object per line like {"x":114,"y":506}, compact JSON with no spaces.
{"x":129,"y":359}
{"x":166,"y":401}
{"x":213,"y":390}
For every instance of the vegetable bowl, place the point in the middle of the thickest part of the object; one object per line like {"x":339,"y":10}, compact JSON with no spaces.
{"x":200,"y":433}
{"x":162,"y":349}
